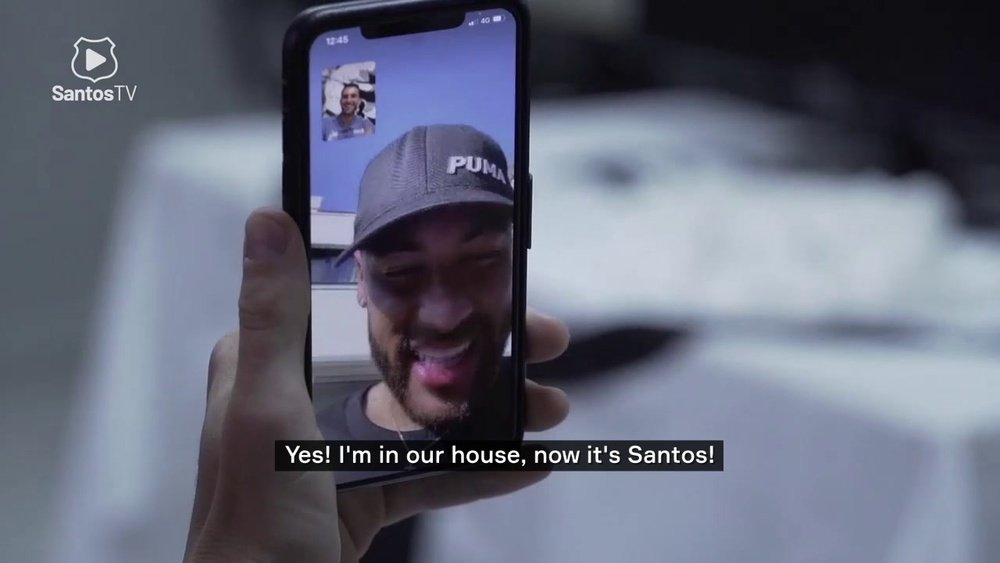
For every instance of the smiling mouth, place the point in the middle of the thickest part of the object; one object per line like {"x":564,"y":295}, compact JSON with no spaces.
{"x":443,"y":355}
{"x":444,"y":367}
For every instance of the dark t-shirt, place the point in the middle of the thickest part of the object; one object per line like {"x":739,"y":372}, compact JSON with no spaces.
{"x":346,"y":420}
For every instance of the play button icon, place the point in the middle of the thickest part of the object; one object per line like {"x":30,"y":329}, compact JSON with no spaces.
{"x":94,"y":59}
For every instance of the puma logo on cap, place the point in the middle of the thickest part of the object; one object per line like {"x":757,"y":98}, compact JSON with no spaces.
{"x":476,"y":164}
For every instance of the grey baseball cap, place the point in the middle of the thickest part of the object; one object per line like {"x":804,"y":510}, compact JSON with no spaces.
{"x":429,"y":167}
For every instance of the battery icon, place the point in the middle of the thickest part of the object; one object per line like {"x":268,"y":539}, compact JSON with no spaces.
{"x":497,"y":19}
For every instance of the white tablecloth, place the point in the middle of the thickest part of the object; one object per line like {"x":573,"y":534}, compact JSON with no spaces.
{"x":833,"y":453}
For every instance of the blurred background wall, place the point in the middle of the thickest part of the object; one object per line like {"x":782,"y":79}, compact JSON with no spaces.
{"x":61,"y":168}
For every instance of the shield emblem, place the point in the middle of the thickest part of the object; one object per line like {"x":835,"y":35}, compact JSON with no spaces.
{"x":94,"y":59}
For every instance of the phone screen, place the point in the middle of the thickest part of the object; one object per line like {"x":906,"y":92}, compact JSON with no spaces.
{"x":412,"y":140}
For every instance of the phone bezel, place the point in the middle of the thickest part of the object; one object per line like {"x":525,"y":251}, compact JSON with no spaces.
{"x":299,"y":38}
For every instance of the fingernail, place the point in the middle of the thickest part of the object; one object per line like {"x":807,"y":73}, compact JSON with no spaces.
{"x":266,"y":239}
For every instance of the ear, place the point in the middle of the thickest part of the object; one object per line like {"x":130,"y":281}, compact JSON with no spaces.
{"x":360,"y":269}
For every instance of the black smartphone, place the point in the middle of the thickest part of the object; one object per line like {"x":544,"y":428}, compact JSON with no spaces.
{"x":413,"y":197}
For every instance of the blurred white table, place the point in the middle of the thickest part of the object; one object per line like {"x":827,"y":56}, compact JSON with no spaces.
{"x":832,"y":454}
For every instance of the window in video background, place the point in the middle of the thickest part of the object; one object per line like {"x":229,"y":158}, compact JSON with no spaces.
{"x":325,"y":271}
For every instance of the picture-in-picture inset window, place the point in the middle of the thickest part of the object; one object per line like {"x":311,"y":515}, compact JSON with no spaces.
{"x":348,"y":101}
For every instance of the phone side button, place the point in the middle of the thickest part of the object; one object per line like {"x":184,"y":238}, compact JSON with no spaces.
{"x":527,"y":211}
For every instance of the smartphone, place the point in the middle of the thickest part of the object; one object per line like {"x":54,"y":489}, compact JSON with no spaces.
{"x":405,"y":166}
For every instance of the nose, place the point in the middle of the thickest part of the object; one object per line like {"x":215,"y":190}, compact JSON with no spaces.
{"x":442,"y":310}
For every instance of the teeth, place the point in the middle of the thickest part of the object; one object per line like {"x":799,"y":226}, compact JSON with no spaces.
{"x":441,"y":354}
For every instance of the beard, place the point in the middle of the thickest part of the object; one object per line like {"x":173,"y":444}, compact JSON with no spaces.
{"x":488,"y":341}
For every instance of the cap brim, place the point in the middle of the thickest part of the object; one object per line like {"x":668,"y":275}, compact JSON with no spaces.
{"x":425,"y":203}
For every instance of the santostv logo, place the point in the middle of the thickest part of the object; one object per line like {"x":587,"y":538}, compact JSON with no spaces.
{"x":94,"y":60}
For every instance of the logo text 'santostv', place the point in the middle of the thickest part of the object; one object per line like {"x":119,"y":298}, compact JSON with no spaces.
{"x":94,"y":60}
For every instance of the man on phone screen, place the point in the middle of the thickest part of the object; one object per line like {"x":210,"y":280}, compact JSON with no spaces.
{"x":433,"y":248}
{"x":347,"y":123}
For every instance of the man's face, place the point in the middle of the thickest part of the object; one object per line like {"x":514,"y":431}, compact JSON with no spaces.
{"x":350,"y":97}
{"x":438,"y":294}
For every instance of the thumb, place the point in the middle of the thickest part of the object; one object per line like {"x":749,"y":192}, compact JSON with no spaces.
{"x":269,"y":399}
{"x":255,"y":509}
{"x":273,"y":308}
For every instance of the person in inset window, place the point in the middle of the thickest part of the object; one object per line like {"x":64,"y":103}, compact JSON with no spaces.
{"x":348,"y":123}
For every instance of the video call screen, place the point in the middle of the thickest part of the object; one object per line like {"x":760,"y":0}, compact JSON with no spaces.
{"x":412,"y":183}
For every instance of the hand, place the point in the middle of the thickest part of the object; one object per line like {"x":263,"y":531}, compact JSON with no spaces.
{"x":244,"y":510}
